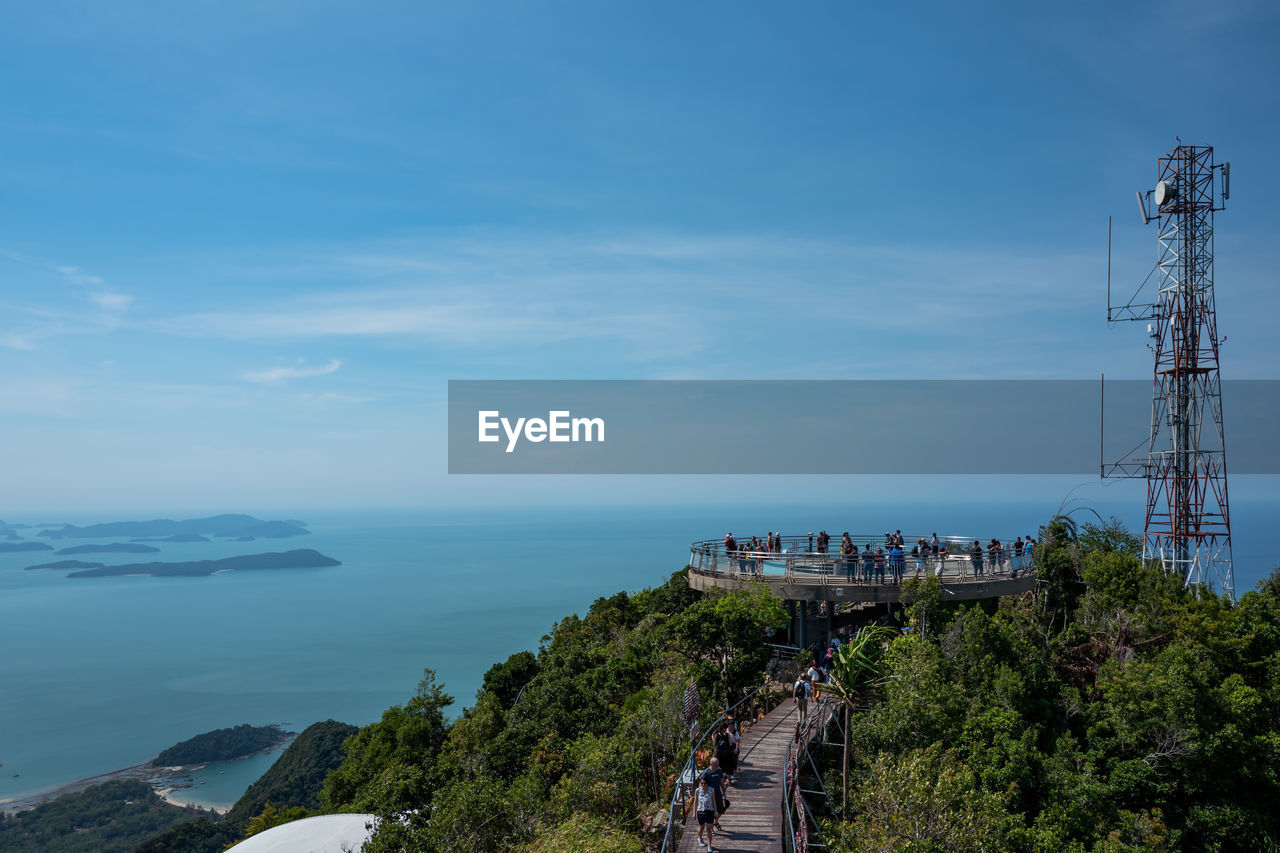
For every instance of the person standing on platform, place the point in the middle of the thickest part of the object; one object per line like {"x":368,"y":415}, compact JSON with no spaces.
{"x":975,"y":557}
{"x":850,"y":554}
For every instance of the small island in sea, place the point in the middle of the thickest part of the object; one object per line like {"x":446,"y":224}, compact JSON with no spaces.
{"x":223,"y":745}
{"x":112,"y":548}
{"x":67,"y":564}
{"x":10,"y":547}
{"x":177,"y":537}
{"x":303,"y":558}
{"x":228,"y":526}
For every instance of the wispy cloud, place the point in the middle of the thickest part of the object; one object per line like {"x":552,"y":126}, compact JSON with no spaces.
{"x":111,"y":302}
{"x":75,"y":275}
{"x":49,"y":314}
{"x":275,"y":375}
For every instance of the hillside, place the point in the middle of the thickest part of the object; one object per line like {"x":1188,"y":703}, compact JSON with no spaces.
{"x":1112,"y":710}
{"x":111,"y":817}
{"x":294,"y":782}
{"x":222,"y":745}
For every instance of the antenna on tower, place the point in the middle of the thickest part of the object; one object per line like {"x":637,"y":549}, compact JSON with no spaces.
{"x":1187,"y":528}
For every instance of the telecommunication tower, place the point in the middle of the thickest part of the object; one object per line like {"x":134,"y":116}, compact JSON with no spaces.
{"x":1188,"y":526}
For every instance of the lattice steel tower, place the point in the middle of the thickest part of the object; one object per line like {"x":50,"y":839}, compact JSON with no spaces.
{"x":1188,"y":525}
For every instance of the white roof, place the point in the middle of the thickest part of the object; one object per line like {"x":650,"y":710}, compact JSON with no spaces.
{"x":330,"y":833}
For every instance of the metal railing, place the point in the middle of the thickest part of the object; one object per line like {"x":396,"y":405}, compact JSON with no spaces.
{"x":798,"y":561}
{"x":781,"y":679}
{"x":794,"y":808}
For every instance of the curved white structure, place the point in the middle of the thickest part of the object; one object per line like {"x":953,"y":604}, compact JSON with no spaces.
{"x":330,"y":833}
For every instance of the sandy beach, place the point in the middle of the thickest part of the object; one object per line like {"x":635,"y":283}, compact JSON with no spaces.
{"x":163,"y":779}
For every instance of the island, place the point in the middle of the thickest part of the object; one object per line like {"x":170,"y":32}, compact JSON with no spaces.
{"x":10,"y":547}
{"x":67,"y":564}
{"x":113,"y":548}
{"x":303,"y":558}
{"x":223,"y":526}
{"x":177,"y":537}
{"x":223,"y":745}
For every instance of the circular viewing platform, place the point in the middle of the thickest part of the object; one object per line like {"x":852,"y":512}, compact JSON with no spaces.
{"x":798,"y":571}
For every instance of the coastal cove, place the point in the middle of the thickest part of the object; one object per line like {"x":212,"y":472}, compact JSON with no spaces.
{"x":136,"y":666}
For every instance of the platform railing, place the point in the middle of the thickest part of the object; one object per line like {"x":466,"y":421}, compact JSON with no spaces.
{"x":799,"y":561}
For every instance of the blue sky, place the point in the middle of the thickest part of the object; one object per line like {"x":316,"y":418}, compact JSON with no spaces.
{"x":244,"y":246}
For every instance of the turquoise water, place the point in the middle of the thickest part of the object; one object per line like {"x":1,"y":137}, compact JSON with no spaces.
{"x":103,"y":673}
{"x":220,"y":784}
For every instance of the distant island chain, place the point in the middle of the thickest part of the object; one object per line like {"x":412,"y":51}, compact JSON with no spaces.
{"x":238,"y":528}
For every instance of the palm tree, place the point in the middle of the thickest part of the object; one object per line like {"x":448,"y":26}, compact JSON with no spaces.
{"x":857,"y":669}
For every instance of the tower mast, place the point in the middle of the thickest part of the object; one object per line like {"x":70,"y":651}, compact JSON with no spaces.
{"x":1188,"y":524}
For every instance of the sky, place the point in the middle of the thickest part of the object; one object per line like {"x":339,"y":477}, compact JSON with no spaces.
{"x":244,"y":246}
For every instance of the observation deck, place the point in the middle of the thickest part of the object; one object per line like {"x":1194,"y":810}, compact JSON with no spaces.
{"x":799,"y":572}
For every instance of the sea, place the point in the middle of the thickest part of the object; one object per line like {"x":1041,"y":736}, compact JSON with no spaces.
{"x":100,"y":674}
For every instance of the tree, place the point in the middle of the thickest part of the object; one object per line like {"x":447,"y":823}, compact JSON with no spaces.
{"x":857,"y":668}
{"x":726,"y":631}
{"x":385,"y":770}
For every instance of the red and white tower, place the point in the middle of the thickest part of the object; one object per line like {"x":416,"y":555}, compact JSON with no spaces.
{"x":1188,"y":525}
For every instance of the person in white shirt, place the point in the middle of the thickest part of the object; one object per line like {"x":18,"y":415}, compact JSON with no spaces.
{"x":704,"y":803}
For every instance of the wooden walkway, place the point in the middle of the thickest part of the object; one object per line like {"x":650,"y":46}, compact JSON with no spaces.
{"x":754,"y":819}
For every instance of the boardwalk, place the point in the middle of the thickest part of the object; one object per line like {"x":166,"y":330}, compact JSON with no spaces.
{"x":754,"y":820}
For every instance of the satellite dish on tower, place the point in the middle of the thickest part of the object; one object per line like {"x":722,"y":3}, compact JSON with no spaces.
{"x":1165,"y":192}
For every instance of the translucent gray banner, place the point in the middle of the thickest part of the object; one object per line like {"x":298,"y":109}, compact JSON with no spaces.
{"x":829,"y":427}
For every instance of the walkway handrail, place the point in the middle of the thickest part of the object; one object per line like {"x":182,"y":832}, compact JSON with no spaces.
{"x":791,"y":670}
{"x":797,"y":837}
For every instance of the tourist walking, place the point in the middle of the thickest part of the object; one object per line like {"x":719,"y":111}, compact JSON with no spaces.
{"x":726,"y":752}
{"x":714,"y":775}
{"x":801,"y":692}
{"x":704,"y":804}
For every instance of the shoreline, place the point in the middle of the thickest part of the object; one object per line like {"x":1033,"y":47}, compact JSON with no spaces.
{"x":164,"y":780}
{"x":156,"y":777}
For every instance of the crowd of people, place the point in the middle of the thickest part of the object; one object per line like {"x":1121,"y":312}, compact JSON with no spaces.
{"x":890,"y":560}
{"x":710,"y":797}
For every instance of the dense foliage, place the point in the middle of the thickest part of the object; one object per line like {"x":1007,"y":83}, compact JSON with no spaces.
{"x":296,"y":777}
{"x":1110,"y":711}
{"x":221,"y":745}
{"x":290,"y":789}
{"x":113,"y":816}
{"x":571,"y":748}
